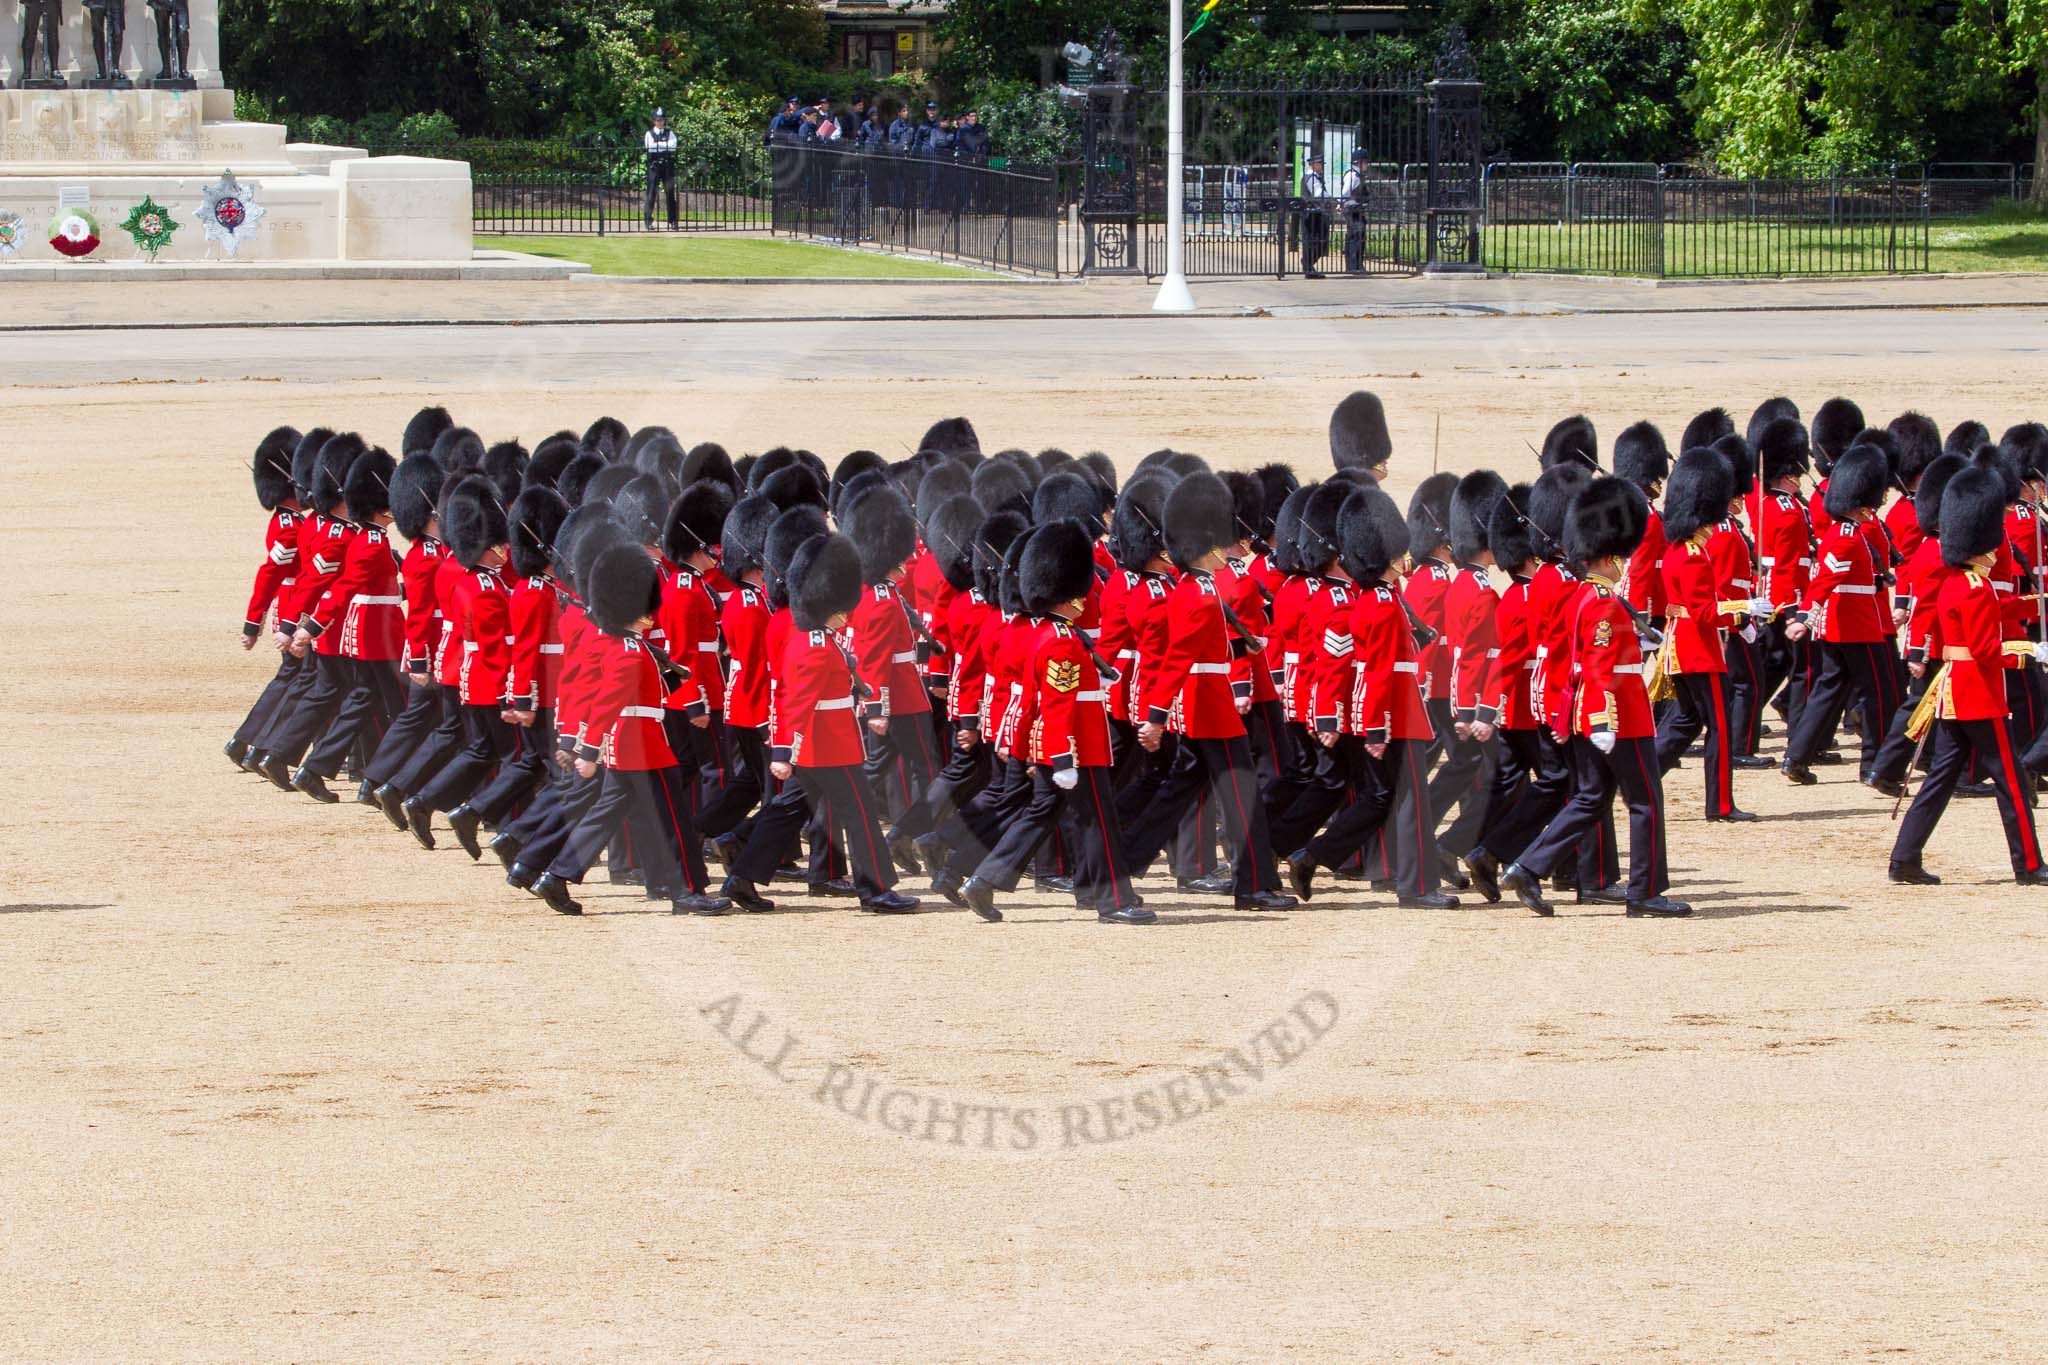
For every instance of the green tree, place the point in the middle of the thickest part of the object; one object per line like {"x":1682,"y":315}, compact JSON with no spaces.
{"x":2001,"y":44}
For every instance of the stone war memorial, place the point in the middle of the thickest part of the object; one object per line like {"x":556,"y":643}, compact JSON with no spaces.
{"x":113,"y":116}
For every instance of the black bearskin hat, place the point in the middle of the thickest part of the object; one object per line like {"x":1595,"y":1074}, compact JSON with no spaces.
{"x":998,"y":534}
{"x":1026,"y":466}
{"x":861,"y":487}
{"x":950,"y":532}
{"x":273,"y":467}
{"x":330,"y":472}
{"x":943,"y":481}
{"x":1276,"y":481}
{"x":1550,"y":495}
{"x":1640,"y":455}
{"x":768,"y":464}
{"x":1184,"y":463}
{"x":1989,"y":458}
{"x":1058,"y":566}
{"x":1285,"y":554}
{"x":1429,"y":514}
{"x":1197,"y":519}
{"x":642,"y":507}
{"x":1606,"y":520}
{"x":1571,"y":439}
{"x":1247,"y":504}
{"x":1009,"y":586}
{"x":790,"y":532}
{"x":1858,"y":479}
{"x":1883,"y":439}
{"x":414,"y":487}
{"x":424,"y":429}
{"x":1102,"y":470}
{"x":608,"y":483}
{"x":999,"y":485}
{"x":1137,"y":529}
{"x":1371,"y":534}
{"x":624,"y":586}
{"x":1157,"y":457}
{"x":472,"y":520}
{"x":883,"y":532}
{"x":1471,"y":509}
{"x":857,"y":463}
{"x":1315,"y":535}
{"x":661,"y":453}
{"x":1741,"y":458}
{"x":1782,"y":449}
{"x":588,"y":534}
{"x":1068,"y":497}
{"x":1697,"y":494}
{"x":1507,"y":529}
{"x":1358,"y":433}
{"x":1835,"y":426}
{"x":1927,"y":497}
{"x":708,"y":460}
{"x":535,"y":522}
{"x":1918,"y":442}
{"x":2026,"y":446}
{"x":459,"y":451}
{"x":1767,"y":412}
{"x":816,"y":465}
{"x":575,"y":479}
{"x":1052,"y":460}
{"x":367,"y":489}
{"x":306,"y":462}
{"x":792,"y":486}
{"x":550,"y":458}
{"x":697,"y":520}
{"x":745,"y":534}
{"x":607,"y":436}
{"x":1705,"y":429}
{"x":629,"y":453}
{"x":824,"y":580}
{"x":505,"y":466}
{"x":1965,"y":439}
{"x":1972,"y":515}
{"x":951,"y":436}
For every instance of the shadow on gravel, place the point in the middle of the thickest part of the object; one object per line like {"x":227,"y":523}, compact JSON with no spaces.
{"x":36,"y":907}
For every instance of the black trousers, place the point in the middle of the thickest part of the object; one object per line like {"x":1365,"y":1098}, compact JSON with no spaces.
{"x":900,"y":763}
{"x":652,"y":806}
{"x":723,"y":804}
{"x":1955,"y":744}
{"x":441,"y":744}
{"x":1862,"y":669}
{"x":489,"y":740}
{"x":1390,"y":796}
{"x":521,"y":775}
{"x":1896,"y":752}
{"x":965,"y":774}
{"x":1461,"y":780}
{"x":1706,"y":706}
{"x":373,"y":703}
{"x":264,"y":711}
{"x":662,"y":174}
{"x":313,"y":710}
{"x":841,"y":796}
{"x":1550,"y":785}
{"x":543,"y":829}
{"x":1746,"y":695}
{"x":408,"y":730}
{"x":979,"y":826}
{"x":1632,"y":768}
{"x":1223,"y":769}
{"x":1321,"y":795}
{"x":1101,"y":877}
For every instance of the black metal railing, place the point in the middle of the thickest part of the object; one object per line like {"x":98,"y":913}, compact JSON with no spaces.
{"x":947,"y":209}
{"x":1641,"y":220}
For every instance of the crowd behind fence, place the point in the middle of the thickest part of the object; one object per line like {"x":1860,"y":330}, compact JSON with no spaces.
{"x":1673,"y":220}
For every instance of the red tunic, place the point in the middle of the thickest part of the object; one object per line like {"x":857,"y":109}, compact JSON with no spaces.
{"x":1072,"y":725}
{"x":885,"y":651}
{"x":1735,"y":569}
{"x":1424,"y":591}
{"x":687,"y":619}
{"x":1514,"y":668}
{"x":1470,"y":611}
{"x":1920,"y":582}
{"x":625,"y":707}
{"x":1645,"y":581}
{"x":1842,"y":599}
{"x":1250,"y":677}
{"x":1189,"y":689}
{"x":1145,"y":606}
{"x":481,"y":611}
{"x":1291,"y":641}
{"x":275,"y":575}
{"x":448,"y":579}
{"x":1550,"y":588}
{"x":1609,"y":693}
{"x":536,"y":673}
{"x":574,"y":684}
{"x":1113,"y":641}
{"x":421,"y":575}
{"x":1785,"y":550}
{"x":1695,"y":642}
{"x":1328,"y":668}
{"x":1008,"y":646}
{"x":1973,"y":685}
{"x":814,"y":721}
{"x":365,"y":592}
{"x":744,"y":622}
{"x":330,"y":597}
{"x":966,"y":621}
{"x":1386,"y":699}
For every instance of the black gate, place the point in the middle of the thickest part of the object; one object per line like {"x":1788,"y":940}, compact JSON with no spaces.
{"x":1398,"y":188}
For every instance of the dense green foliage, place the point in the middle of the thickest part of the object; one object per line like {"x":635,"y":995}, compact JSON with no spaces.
{"x":1753,"y":85}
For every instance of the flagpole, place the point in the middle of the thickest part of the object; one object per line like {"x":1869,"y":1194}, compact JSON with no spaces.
{"x":1174,"y":295}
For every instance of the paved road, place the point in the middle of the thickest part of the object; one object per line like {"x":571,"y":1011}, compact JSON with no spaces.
{"x":2004,"y":342}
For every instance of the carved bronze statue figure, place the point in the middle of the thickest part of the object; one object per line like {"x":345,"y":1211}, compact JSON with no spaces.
{"x":44,"y":17}
{"x":109,"y":20}
{"x":173,"y":40}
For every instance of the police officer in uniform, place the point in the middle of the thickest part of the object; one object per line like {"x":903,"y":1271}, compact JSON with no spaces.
{"x":660,"y":142}
{"x":1315,"y":217}
{"x":1354,"y":211}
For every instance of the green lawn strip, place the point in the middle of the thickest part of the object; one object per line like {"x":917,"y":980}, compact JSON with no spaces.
{"x":725,"y":257}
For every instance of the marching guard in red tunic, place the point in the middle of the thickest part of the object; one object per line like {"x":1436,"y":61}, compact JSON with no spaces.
{"x":272,"y":468}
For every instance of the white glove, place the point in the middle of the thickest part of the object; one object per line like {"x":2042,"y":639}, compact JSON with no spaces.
{"x":1603,"y":740}
{"x":1066,"y":779}
{"x":1761,"y":606}
{"x":1749,"y":633}
{"x":2041,"y":651}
